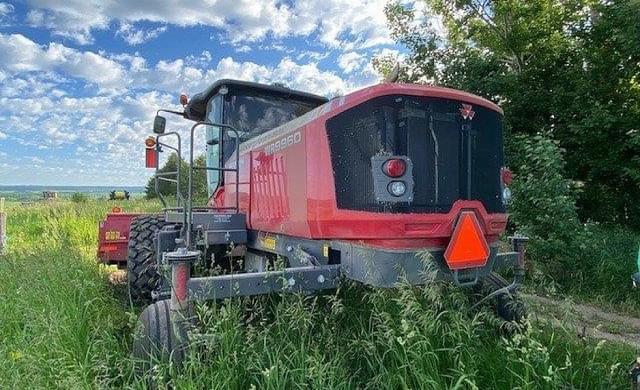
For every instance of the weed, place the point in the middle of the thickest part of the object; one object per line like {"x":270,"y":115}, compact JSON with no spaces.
{"x":63,"y":326}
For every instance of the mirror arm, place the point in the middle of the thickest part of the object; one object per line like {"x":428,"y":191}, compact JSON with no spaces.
{"x":182,"y":114}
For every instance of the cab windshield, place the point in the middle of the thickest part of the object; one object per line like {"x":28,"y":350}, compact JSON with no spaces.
{"x":253,"y":113}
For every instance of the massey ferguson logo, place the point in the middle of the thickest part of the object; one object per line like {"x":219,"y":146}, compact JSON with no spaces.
{"x":467,"y":111}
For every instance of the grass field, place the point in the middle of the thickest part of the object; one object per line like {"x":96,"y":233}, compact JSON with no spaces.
{"x":63,"y":325}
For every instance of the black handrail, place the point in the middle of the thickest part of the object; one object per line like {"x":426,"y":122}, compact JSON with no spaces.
{"x":188,"y":214}
{"x":159,"y":175}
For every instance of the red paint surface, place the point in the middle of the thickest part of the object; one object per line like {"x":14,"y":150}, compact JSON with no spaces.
{"x":114,"y":251}
{"x":291,"y":191}
{"x":180,"y":281}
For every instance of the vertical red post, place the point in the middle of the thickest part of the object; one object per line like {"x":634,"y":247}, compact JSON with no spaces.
{"x":180,"y":306}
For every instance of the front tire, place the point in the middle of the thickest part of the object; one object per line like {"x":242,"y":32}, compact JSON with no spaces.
{"x":156,"y":339}
{"x":142,"y":268}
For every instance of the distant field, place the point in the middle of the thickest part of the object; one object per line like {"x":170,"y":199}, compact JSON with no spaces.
{"x":63,"y":325}
{"x":32,"y":193}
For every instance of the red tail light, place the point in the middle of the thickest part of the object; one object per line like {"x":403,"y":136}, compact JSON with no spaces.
{"x":394,"y":167}
{"x":151,"y":158}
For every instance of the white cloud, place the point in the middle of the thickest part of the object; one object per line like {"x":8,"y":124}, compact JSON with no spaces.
{"x":202,"y":60}
{"x":313,"y":55}
{"x":20,"y":54}
{"x":36,"y":160}
{"x":74,"y":20}
{"x":351,"y":61}
{"x":242,"y":20}
{"x":6,"y":9}
{"x":128,"y":71}
{"x":135,"y":36}
{"x":364,"y":20}
{"x":40,"y":106}
{"x":243,"y":49}
{"x":6,"y":14}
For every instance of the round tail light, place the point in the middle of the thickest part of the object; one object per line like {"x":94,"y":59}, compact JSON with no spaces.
{"x":394,"y":167}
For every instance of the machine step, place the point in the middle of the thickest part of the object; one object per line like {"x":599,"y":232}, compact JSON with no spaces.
{"x":217,"y":227}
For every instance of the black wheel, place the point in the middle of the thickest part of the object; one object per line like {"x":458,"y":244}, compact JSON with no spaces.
{"x":156,"y":339}
{"x":142,"y":272}
{"x":508,"y":306}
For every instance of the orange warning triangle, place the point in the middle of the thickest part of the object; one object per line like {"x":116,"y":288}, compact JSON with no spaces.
{"x":467,"y":247}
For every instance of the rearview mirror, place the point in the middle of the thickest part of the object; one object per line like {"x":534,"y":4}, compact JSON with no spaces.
{"x":159,"y":124}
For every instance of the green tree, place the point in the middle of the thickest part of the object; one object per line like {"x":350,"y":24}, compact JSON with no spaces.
{"x":169,"y":189}
{"x":569,"y":69}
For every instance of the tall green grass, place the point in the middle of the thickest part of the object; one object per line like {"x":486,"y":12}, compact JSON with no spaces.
{"x":596,"y":267}
{"x":62,"y":325}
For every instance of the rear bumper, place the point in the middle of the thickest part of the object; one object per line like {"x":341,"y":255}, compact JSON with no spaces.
{"x":313,"y":265}
{"x":381,"y":267}
{"x":386,"y":267}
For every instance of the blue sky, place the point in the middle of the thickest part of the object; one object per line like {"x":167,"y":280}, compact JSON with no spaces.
{"x":80,"y":80}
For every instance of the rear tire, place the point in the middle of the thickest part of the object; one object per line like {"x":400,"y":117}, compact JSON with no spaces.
{"x":155,"y":339}
{"x":142,"y":271}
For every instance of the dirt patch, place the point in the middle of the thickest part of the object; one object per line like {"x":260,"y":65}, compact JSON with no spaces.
{"x":586,"y":320}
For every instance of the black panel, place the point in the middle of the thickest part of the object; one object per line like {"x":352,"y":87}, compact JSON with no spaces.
{"x":429,"y":131}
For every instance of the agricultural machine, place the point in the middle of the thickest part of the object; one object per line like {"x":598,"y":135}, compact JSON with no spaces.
{"x":119,"y":195}
{"x":390,"y":184}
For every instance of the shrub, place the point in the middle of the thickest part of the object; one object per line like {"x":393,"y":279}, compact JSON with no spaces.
{"x":79,"y":197}
{"x":589,"y":260}
{"x":544,"y":201}
{"x":544,"y":206}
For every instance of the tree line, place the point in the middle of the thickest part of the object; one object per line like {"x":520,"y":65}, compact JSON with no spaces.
{"x":566,"y":73}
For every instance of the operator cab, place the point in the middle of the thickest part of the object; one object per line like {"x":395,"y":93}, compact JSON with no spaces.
{"x":251,"y":108}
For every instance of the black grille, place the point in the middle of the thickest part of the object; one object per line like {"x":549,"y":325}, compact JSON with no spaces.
{"x":452,"y":158}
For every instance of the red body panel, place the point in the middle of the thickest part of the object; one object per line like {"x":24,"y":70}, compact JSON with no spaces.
{"x":287,"y":186}
{"x":113,"y":238}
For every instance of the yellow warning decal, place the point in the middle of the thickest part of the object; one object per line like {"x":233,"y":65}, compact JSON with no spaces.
{"x":325,"y":251}
{"x":268,"y":243}
{"x":112,"y":235}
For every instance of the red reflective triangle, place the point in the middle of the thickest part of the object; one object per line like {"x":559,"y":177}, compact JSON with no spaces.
{"x":467,"y":248}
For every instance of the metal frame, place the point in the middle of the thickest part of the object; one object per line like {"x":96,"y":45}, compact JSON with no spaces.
{"x":313,"y":265}
{"x":165,"y":176}
{"x":298,"y":279}
{"x":189,"y":205}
